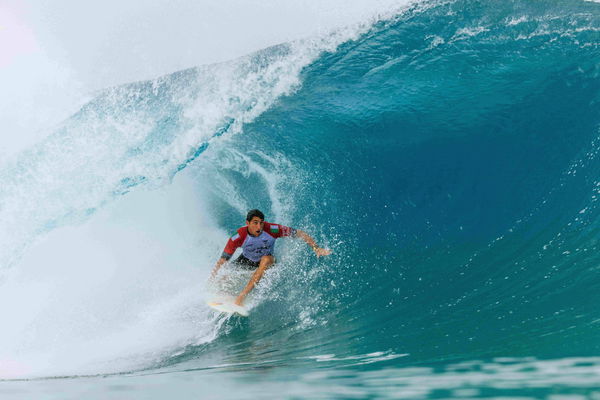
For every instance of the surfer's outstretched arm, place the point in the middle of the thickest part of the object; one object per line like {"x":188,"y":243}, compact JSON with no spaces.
{"x":311,"y":242}
{"x":218,"y":265}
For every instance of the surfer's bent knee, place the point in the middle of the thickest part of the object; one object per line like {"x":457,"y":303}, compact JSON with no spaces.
{"x":267,"y":260}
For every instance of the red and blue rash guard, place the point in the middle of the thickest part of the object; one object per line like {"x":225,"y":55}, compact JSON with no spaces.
{"x":254,"y":247}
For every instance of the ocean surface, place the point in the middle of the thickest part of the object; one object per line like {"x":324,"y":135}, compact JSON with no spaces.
{"x":447,"y":152}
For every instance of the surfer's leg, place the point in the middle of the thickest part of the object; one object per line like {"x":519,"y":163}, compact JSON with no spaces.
{"x":265,"y":262}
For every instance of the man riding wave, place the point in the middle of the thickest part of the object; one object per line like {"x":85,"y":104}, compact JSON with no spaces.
{"x":257,"y":240}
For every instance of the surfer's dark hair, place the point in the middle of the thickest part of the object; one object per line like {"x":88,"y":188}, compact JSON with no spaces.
{"x":255,"y":213}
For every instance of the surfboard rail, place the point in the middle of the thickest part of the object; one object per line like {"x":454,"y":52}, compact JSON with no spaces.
{"x":228,"y":306}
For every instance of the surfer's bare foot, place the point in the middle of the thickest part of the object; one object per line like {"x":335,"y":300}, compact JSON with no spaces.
{"x":239,"y":301}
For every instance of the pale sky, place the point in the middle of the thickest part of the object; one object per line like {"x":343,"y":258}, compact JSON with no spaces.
{"x":16,"y":37}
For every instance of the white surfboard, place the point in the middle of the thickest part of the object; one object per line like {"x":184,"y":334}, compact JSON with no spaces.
{"x":226,"y":305}
{"x":222,"y":292}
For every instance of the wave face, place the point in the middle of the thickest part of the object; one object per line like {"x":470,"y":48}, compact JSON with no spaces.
{"x":447,"y":155}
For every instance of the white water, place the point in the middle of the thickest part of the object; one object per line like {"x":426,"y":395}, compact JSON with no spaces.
{"x":125,"y":283}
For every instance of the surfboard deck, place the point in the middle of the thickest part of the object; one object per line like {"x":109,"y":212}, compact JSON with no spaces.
{"x":227,"y":306}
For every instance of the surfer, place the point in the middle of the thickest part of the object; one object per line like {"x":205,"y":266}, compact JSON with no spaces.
{"x":257,"y":240}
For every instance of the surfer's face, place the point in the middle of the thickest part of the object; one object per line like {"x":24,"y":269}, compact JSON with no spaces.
{"x":255,"y":226}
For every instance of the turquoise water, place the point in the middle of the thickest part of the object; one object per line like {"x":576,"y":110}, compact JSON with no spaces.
{"x":447,"y":154}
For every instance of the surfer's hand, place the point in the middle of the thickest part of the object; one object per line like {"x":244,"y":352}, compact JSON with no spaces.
{"x":321,"y":252}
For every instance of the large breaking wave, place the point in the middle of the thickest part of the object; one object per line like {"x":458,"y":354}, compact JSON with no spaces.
{"x":447,"y":154}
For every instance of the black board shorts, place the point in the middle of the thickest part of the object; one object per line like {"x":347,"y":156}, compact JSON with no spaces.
{"x":245,"y":263}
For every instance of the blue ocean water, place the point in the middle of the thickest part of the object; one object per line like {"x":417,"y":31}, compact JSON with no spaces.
{"x":447,"y":154}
